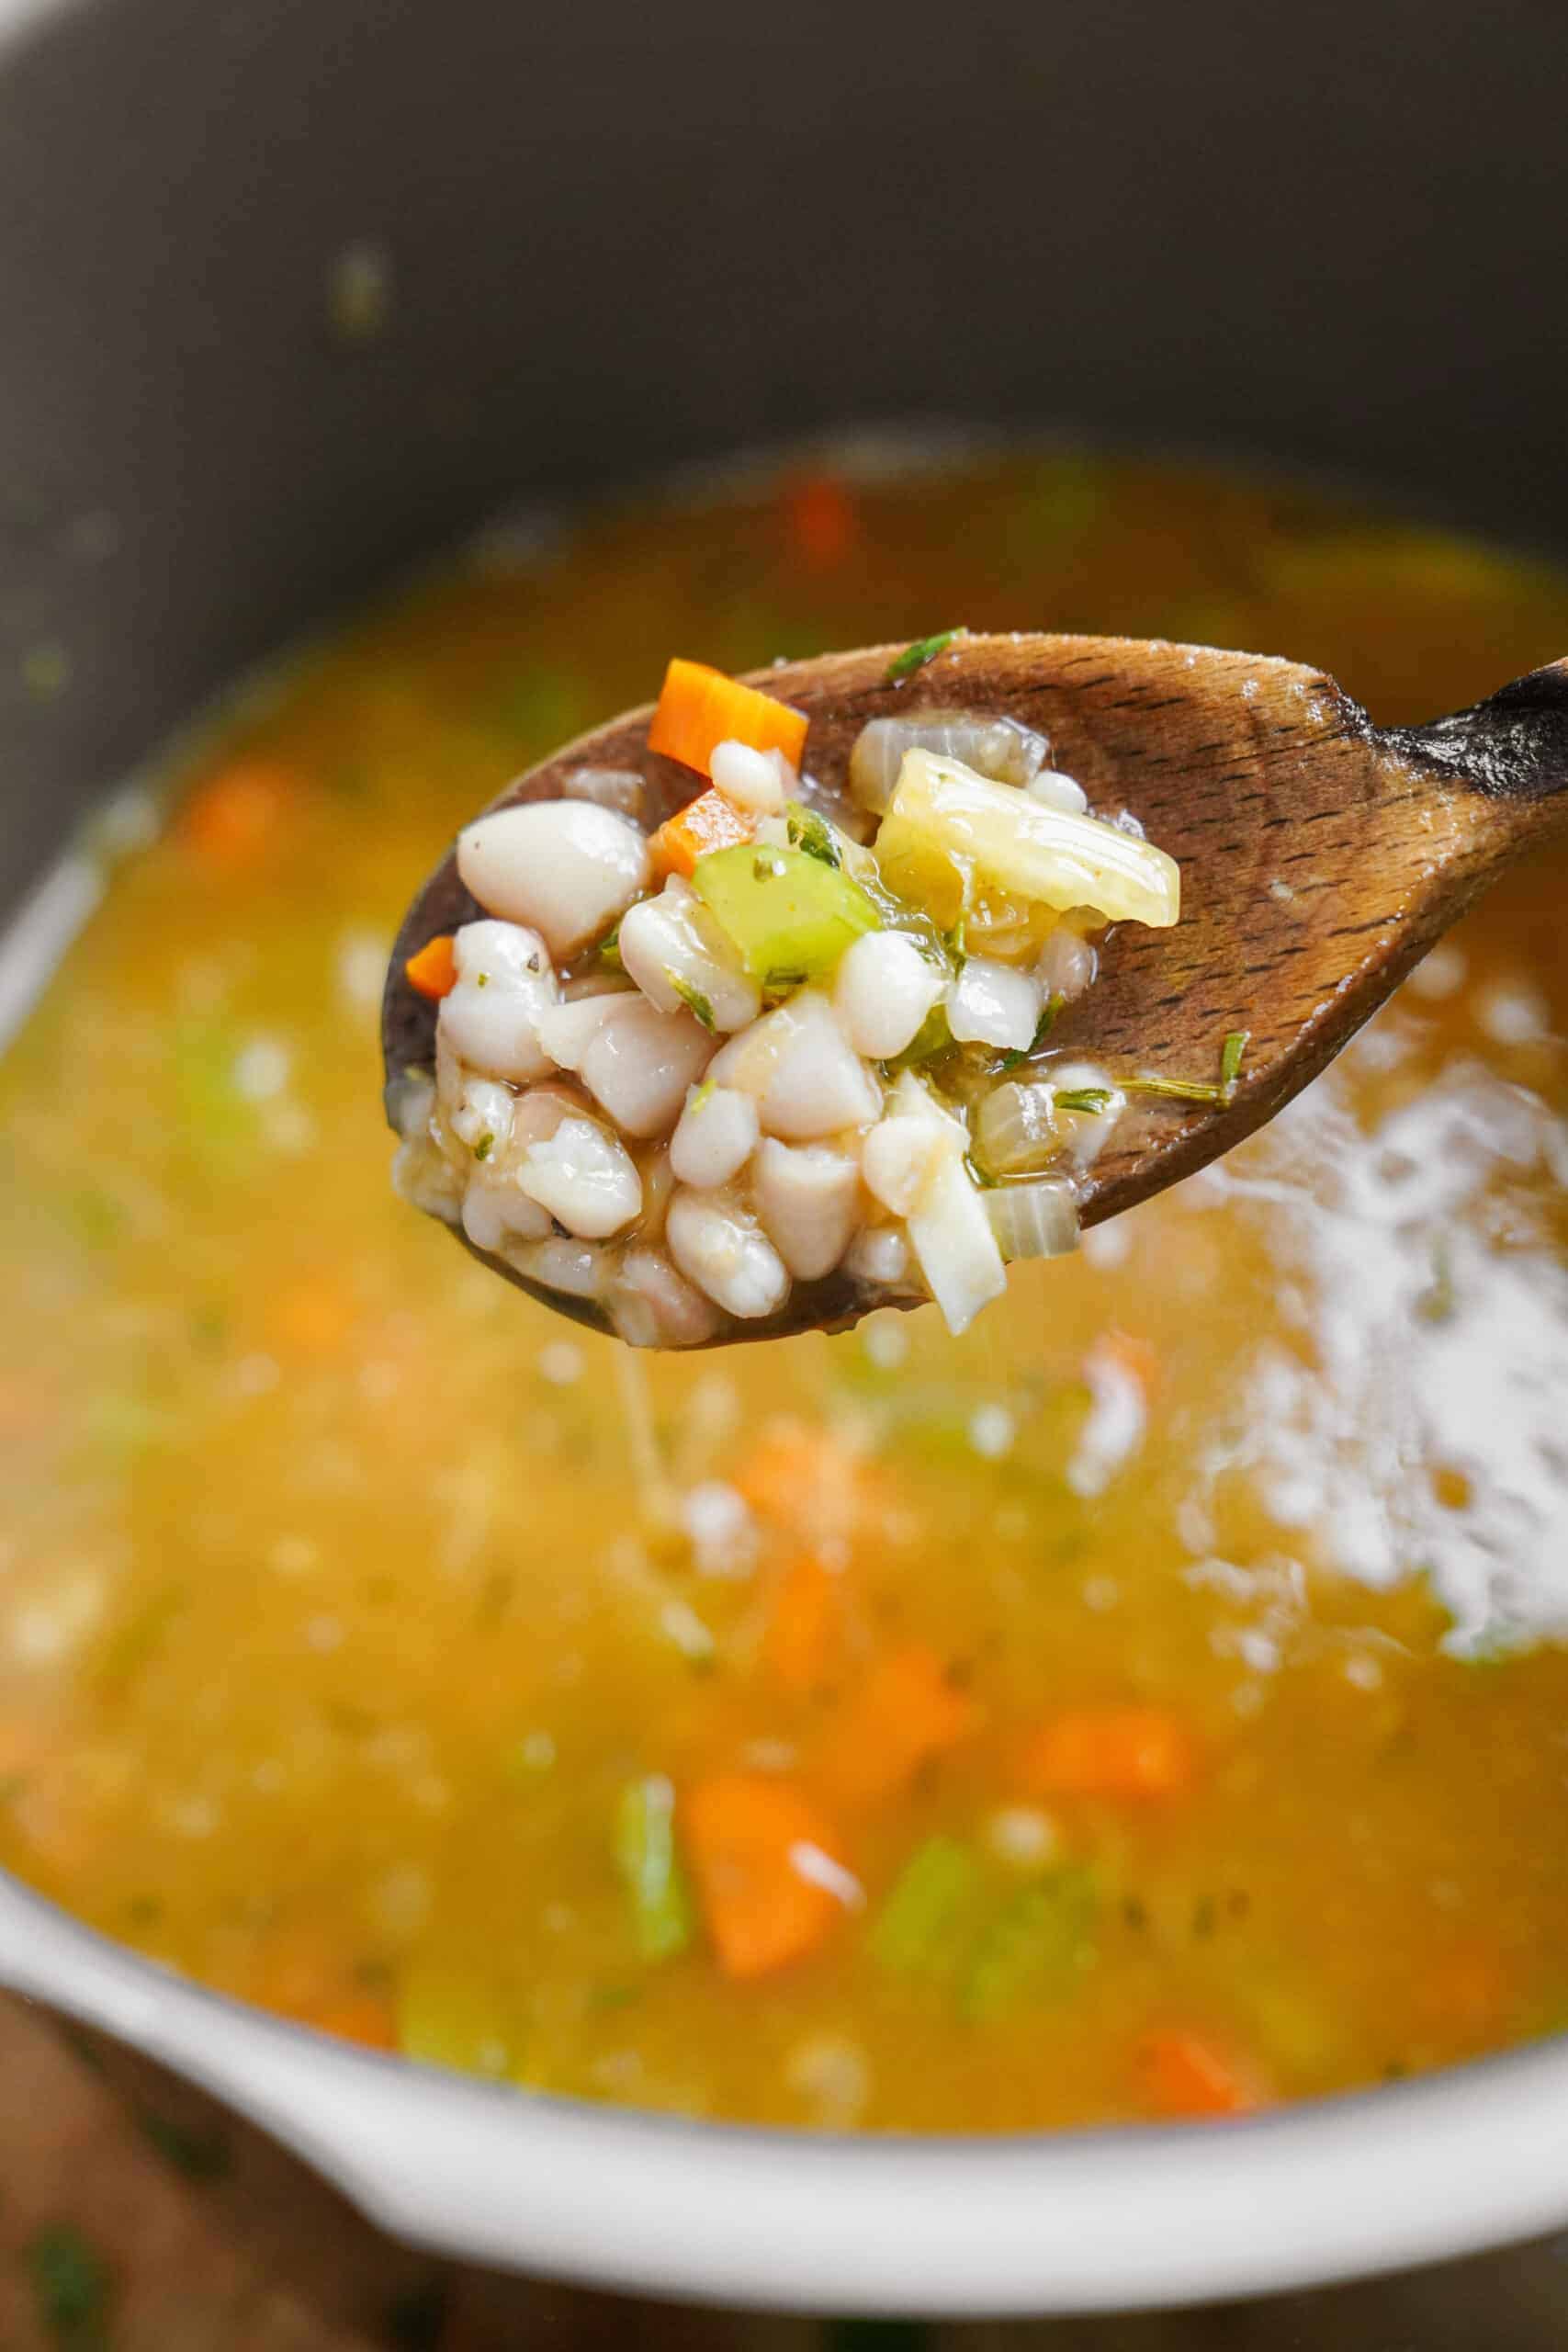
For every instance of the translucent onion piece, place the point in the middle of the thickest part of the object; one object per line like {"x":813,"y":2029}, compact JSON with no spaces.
{"x":1039,"y":1220}
{"x":1016,"y":1130}
{"x":1001,"y":749}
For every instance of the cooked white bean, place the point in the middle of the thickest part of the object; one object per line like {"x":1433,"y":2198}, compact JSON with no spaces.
{"x":715,"y":1136}
{"x":883,"y":990}
{"x":1066,"y":964}
{"x":496,"y":1210}
{"x":566,"y":866}
{"x":481,"y":1117}
{"x":505,"y":987}
{"x":809,"y":1199}
{"x":718,"y":1245}
{"x":636,"y":1061}
{"x":426,"y":1177}
{"x":1001,"y":749}
{"x":670,"y":942}
{"x":758,"y":782}
{"x":585,"y":1179}
{"x":1058,"y":791}
{"x":410,"y":1100}
{"x":993,"y":1004}
{"x":652,"y":1305}
{"x":807,"y":1077}
{"x":580,"y":1269}
{"x":879,"y":1255}
{"x":567,"y":1031}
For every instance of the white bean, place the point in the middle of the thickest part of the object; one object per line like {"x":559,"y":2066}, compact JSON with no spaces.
{"x":809,"y":1202}
{"x":585,"y":1179}
{"x":1066,"y":964}
{"x":635,"y":1060}
{"x":577,"y":1268}
{"x":719,"y":1247}
{"x":993,"y":1004}
{"x":807,"y":1077}
{"x":882,"y":993}
{"x":496,"y":1210}
{"x":1058,"y":791}
{"x":568,"y":867}
{"x":881,"y":1256}
{"x":672,"y":941}
{"x":505,"y":987}
{"x":758,"y":782}
{"x":482,"y":1116}
{"x":715,"y":1136}
{"x":652,"y":1305}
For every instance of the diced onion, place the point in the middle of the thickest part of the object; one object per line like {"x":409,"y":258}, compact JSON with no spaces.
{"x":1001,"y":749}
{"x":1039,"y":1220}
{"x":1015,"y":1129}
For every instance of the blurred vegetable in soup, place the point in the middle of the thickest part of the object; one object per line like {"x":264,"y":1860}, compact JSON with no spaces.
{"x":1149,"y":1704}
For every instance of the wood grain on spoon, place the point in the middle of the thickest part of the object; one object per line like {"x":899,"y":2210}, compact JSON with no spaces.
{"x":1320,"y":855}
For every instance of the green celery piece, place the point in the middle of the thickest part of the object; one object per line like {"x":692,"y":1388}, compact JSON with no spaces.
{"x":922,"y":1920}
{"x":784,"y":911}
{"x":650,"y":1868}
{"x":1035,"y":1945}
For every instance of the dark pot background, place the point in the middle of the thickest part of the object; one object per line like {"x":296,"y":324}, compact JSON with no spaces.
{"x":622,"y":237}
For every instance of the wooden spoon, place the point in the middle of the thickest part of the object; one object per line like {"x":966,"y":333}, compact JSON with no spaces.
{"x":1320,"y":855}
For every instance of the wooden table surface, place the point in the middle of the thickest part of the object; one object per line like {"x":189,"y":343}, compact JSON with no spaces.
{"x":109,"y":2243}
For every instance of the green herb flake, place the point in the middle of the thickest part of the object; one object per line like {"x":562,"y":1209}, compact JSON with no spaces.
{"x":921,"y":1923}
{"x":1173,"y":1089}
{"x":915,"y":657}
{"x":1091,"y":1099}
{"x":1042,"y":1029}
{"x":1034,"y":1946}
{"x":812,"y":833}
{"x":71,"y":2286}
{"x":701,"y":1096}
{"x":695,"y":1002}
{"x":778,"y":982}
{"x":649,"y":1868}
{"x":1232,"y":1055}
{"x":607,"y":954}
{"x":484,"y":1146}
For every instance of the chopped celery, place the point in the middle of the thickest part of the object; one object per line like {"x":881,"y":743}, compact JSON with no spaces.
{"x":650,"y":1868}
{"x":1036,"y":1944}
{"x":924,"y":1917}
{"x":947,"y":831}
{"x":788,"y":915}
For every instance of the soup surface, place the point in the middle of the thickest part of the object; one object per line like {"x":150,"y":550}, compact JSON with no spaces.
{"x":1152,"y":1703}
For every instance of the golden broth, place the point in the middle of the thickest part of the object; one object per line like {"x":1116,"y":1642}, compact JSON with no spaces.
{"x":329,"y":1628}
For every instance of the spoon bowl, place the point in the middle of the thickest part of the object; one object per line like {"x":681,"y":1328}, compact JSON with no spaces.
{"x":1321,"y":858}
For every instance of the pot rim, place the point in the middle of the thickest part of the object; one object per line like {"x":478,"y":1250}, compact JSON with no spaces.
{"x":1107,"y":2219}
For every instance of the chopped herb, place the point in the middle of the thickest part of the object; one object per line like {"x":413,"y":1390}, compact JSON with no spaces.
{"x":925,"y":1913}
{"x":977,"y":1175}
{"x":71,"y":2283}
{"x":703,"y":1095}
{"x":777,"y":981}
{"x":695,"y":1002}
{"x":650,"y":1868}
{"x":607,"y":954}
{"x":481,"y":980}
{"x":1037,"y":1943}
{"x":1175,"y":1090}
{"x":953,"y":940}
{"x":1231,"y":1056}
{"x":1090,"y":1098}
{"x":812,"y":833}
{"x":767,"y":869}
{"x":915,"y":657}
{"x":199,"y":2155}
{"x":484,"y":1146}
{"x":1042,"y":1029}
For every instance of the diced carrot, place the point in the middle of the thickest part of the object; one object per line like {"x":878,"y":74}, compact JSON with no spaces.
{"x":313,"y":1315}
{"x":710,"y":821}
{"x":806,"y":1482}
{"x":905,"y":1711}
{"x":434,"y":971}
{"x":1186,"y":2074}
{"x":700,"y":709}
{"x":743,"y":1832}
{"x":1108,"y":1752}
{"x":799,"y":1639}
{"x":820,"y":516}
{"x":232,"y":817}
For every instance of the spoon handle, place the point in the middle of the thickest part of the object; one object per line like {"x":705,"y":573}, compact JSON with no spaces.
{"x":1512,"y":747}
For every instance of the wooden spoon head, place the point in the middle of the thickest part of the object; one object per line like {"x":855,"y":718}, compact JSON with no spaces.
{"x":1318,"y":865}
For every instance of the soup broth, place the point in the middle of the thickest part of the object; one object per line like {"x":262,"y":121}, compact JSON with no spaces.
{"x":1158,"y":1692}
